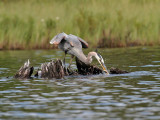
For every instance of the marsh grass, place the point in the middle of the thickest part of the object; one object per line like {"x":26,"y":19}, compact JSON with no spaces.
{"x":29,"y":24}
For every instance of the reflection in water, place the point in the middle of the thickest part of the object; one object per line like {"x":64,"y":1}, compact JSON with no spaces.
{"x":126,"y":96}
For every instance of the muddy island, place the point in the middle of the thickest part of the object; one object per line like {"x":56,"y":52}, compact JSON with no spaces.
{"x":56,"y":69}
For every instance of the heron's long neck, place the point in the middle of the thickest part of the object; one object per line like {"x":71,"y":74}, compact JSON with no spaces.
{"x":87,"y":59}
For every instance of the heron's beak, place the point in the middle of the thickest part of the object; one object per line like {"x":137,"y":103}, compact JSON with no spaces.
{"x":101,"y":61}
{"x":104,"y":67}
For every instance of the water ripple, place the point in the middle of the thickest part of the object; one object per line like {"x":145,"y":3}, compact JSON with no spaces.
{"x":134,"y":95}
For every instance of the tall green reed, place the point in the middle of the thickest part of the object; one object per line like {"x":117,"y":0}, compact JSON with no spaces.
{"x":31,"y":24}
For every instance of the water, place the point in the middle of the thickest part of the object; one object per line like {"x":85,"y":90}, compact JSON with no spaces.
{"x":135,"y":95}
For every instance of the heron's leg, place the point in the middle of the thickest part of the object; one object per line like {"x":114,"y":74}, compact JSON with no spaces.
{"x":64,"y":59}
{"x":72,"y":56}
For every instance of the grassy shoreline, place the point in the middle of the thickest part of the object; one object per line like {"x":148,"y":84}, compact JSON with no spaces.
{"x":30,"y":24}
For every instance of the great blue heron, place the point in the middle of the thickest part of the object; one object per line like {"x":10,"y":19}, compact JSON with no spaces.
{"x":73,"y":45}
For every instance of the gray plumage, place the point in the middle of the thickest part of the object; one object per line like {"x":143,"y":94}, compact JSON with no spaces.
{"x":73,"y":45}
{"x":70,"y":44}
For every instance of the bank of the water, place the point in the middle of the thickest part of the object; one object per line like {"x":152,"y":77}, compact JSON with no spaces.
{"x":30,"y":24}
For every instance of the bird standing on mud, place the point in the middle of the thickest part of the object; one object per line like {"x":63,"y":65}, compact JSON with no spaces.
{"x":73,"y":45}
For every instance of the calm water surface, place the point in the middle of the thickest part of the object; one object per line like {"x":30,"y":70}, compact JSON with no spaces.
{"x":135,"y":95}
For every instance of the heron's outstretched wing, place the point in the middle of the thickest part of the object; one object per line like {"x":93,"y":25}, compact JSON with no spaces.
{"x":84,"y":43}
{"x":57,"y":39}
